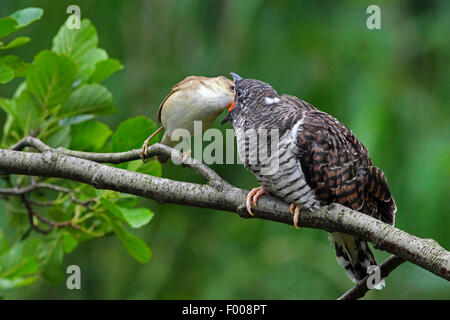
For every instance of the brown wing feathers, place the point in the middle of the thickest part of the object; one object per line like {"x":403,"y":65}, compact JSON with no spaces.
{"x":377,"y":187}
{"x":337,"y":166}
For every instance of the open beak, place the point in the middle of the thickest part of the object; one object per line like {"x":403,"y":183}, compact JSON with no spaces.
{"x":226,"y":119}
{"x":236,"y":78}
{"x":228,"y":116}
{"x":231,"y":107}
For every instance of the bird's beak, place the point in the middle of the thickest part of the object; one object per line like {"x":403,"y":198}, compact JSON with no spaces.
{"x":228,"y":116}
{"x":232,"y":105}
{"x":226,"y":119}
{"x":236,"y":78}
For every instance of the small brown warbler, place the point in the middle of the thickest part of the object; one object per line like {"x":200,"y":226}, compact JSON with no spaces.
{"x":196,"y":98}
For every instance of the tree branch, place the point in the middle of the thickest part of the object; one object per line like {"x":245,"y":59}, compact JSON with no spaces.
{"x":360,"y":289}
{"x":33,"y":186}
{"x":119,"y":157}
{"x":217,"y":194}
{"x":156,"y":149}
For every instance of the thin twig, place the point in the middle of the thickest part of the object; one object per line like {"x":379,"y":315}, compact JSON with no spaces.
{"x":197,"y":166}
{"x":360,"y":289}
{"x":66,"y":190}
{"x":31,"y":214}
{"x":34,"y":186}
{"x":156,"y":149}
{"x":29,"y":142}
{"x":43,"y":203}
{"x":113,"y":158}
{"x":52,"y":224}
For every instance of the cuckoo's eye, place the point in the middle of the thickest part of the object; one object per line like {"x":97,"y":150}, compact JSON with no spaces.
{"x":231,"y":87}
{"x":240,"y":94}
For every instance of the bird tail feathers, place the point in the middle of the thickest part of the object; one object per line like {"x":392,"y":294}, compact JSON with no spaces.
{"x":355,"y":256}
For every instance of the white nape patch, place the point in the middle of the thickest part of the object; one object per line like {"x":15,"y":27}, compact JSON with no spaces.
{"x":270,"y":100}
{"x":296,"y":128}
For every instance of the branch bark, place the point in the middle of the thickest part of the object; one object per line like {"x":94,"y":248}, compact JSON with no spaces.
{"x":217,"y":194}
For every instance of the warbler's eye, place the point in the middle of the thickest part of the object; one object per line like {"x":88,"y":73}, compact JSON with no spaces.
{"x":231,"y":87}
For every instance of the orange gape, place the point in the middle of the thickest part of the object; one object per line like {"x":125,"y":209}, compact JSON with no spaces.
{"x":232,"y":105}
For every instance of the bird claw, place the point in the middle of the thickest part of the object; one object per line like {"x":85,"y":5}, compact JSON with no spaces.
{"x":144,"y":150}
{"x":254,"y":194}
{"x":295,"y":210}
{"x":145,"y":146}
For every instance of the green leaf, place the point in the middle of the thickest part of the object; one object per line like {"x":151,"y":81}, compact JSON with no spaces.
{"x":136,"y":247}
{"x":104,"y":69}
{"x":127,"y":201}
{"x":6,"y":284}
{"x":81,"y":45}
{"x":4,"y":245}
{"x":17,"y":64}
{"x":24,"y":111}
{"x":8,"y":126}
{"x":6,"y":73}
{"x":132,"y":133}
{"x":89,"y":60}
{"x":76,"y":119}
{"x":20,"y":88}
{"x":27,"y":16}
{"x":19,"y":20}
{"x":17,"y":42}
{"x":19,"y":260}
{"x":113,"y":209}
{"x":135,"y":217}
{"x":7,"y":26}
{"x":152,"y":168}
{"x":69,"y":242}
{"x":14,"y":211}
{"x":89,"y":136}
{"x":51,"y":78}
{"x":88,"y":99}
{"x":50,"y":258}
{"x":60,"y":138}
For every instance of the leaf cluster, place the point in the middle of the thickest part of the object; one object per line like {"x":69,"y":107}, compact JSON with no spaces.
{"x":57,"y":100}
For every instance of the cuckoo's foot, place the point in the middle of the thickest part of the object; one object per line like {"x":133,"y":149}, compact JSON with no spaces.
{"x":295,"y":210}
{"x":145,"y":146}
{"x":254,"y":195}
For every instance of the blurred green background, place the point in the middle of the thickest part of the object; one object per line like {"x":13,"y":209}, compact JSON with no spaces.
{"x":390,"y":86}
